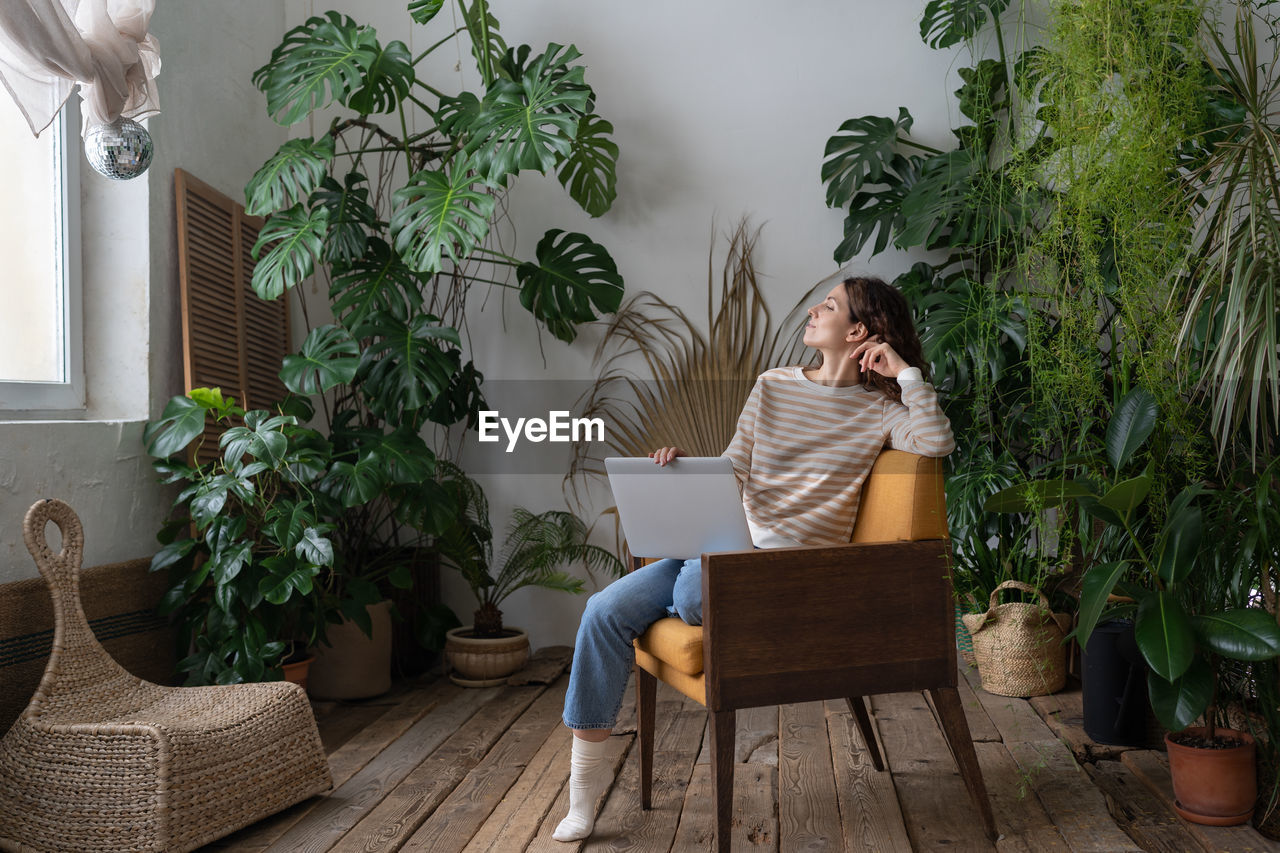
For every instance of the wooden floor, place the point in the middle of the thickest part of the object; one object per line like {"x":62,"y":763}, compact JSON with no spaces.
{"x":436,"y":767}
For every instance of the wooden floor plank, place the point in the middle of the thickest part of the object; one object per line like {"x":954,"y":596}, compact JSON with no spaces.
{"x":453,"y":823}
{"x":392,"y":821}
{"x":697,"y":829}
{"x":411,"y":705}
{"x":1152,"y":769}
{"x":346,"y":805}
{"x":1014,"y":718}
{"x":516,"y":819}
{"x":1063,"y":712}
{"x":1021,"y":820}
{"x":870,"y":817}
{"x":980,"y":725}
{"x":1076,"y":807}
{"x":936,"y":808}
{"x":808,"y":809}
{"x":755,"y":800}
{"x":623,"y":825}
{"x":1148,"y":820}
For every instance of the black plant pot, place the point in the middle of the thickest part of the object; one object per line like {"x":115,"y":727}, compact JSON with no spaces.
{"x":1114,"y":686}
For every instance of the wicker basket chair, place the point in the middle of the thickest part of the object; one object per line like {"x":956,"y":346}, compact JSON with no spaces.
{"x":103,"y":761}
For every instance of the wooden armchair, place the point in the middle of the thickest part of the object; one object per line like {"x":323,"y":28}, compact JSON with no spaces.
{"x":803,"y":624}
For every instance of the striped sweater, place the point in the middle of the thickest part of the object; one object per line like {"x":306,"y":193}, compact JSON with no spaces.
{"x":802,"y":451}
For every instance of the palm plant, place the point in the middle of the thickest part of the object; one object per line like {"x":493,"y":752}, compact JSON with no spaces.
{"x":1235,"y":262}
{"x":694,"y":382}
{"x":536,"y":547}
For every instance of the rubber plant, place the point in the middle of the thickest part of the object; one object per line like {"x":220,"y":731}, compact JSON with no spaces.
{"x":1182,"y":636}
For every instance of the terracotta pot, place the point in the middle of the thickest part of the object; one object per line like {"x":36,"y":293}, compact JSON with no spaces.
{"x":1215,"y":787}
{"x":297,"y":671}
{"x":355,"y":666}
{"x":484,"y":662}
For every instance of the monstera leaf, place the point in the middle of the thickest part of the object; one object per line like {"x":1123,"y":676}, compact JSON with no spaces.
{"x":530,"y":123}
{"x":423,"y":11}
{"x":876,"y":213}
{"x":949,"y":22}
{"x":487,"y":45}
{"x":319,"y":62}
{"x":376,"y":281}
{"x":387,"y":79}
{"x":350,"y":217}
{"x":439,"y":214}
{"x":936,"y":199}
{"x":329,"y":358}
{"x":405,"y":366}
{"x":590,"y":172}
{"x":859,"y":153}
{"x":296,"y":238}
{"x":292,"y":173}
{"x":572,"y":274}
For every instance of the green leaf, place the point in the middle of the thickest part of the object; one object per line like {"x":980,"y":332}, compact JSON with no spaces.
{"x":291,"y":174}
{"x":377,"y":281}
{"x":180,"y":422}
{"x":329,"y":357}
{"x":439,"y":214}
{"x":351,"y":217}
{"x":171,"y":554}
{"x":859,"y":153}
{"x":355,"y":484}
{"x":941,"y":194}
{"x":387,"y":80}
{"x":1132,"y":422}
{"x":279,"y":588}
{"x":949,"y":22}
{"x":400,"y":577}
{"x":296,"y":237}
{"x":1179,"y":544}
{"x":423,"y":11}
{"x":980,"y":96}
{"x":590,"y":172}
{"x":571,"y":275}
{"x":487,"y":45}
{"x":404,"y":366}
{"x":405,"y":456}
{"x":1035,"y":495}
{"x":1244,"y":633}
{"x":1165,"y":635}
{"x":1126,"y":496}
{"x":876,"y":213}
{"x":1178,"y":703}
{"x":1098,"y":583}
{"x":321,"y":61}
{"x":530,"y":123}
{"x":315,"y":548}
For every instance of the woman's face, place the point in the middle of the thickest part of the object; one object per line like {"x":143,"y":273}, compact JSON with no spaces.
{"x":829,"y":326}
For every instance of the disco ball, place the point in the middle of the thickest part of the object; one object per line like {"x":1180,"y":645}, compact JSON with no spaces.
{"x":120,"y":150}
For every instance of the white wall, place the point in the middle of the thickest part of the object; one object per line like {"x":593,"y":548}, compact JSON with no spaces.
{"x":214,"y":125}
{"x":721,"y":108}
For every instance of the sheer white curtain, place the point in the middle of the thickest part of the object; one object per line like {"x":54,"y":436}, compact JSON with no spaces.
{"x":48,"y":46}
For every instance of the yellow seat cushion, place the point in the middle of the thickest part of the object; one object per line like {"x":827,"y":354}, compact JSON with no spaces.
{"x":674,"y":642}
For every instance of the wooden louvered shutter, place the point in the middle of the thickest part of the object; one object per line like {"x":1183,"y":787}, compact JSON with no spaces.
{"x":231,"y":339}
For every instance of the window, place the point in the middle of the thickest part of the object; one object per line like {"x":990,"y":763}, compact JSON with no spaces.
{"x":41,"y":360}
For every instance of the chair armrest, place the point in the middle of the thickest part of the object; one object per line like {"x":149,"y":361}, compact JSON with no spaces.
{"x":826,"y":621}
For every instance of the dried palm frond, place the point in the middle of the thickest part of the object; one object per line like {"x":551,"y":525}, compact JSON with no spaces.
{"x":697,"y":381}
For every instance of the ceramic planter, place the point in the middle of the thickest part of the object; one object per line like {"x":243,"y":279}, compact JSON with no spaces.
{"x":298,"y":671}
{"x":484,"y":662}
{"x":1216,"y":787}
{"x":355,"y":666}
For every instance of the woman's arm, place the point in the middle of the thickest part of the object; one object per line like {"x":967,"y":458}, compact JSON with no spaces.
{"x":917,"y":424}
{"x":744,"y":437}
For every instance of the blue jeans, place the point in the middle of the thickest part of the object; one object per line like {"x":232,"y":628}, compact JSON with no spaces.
{"x":603,"y":655}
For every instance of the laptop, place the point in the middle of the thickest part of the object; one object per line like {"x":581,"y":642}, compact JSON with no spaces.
{"x":686,"y":508}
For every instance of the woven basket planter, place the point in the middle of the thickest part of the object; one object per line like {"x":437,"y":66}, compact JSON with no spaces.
{"x":1019,"y":646}
{"x":484,"y":662}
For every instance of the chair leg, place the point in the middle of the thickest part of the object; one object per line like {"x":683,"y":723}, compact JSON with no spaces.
{"x":723,"y":727}
{"x":858,"y":705}
{"x":646,"y":691}
{"x":956,"y":729}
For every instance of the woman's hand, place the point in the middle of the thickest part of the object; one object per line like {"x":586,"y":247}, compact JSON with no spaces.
{"x":875,"y":354}
{"x":663,"y":455}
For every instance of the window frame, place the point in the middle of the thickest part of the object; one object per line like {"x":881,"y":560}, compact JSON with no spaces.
{"x":66,"y":399}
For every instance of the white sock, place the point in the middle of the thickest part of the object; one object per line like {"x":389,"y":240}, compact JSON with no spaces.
{"x":589,"y":776}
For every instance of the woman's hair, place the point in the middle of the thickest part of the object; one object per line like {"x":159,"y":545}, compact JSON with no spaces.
{"x":884,"y":311}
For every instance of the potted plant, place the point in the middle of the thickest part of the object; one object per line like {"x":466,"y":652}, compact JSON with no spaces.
{"x":247,"y":540}
{"x":486,"y":652}
{"x":1182,"y":635}
{"x":391,"y":205}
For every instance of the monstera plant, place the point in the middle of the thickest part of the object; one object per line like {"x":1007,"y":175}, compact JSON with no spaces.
{"x":392,"y":208}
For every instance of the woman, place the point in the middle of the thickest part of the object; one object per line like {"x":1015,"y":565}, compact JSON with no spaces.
{"x":804,"y":444}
